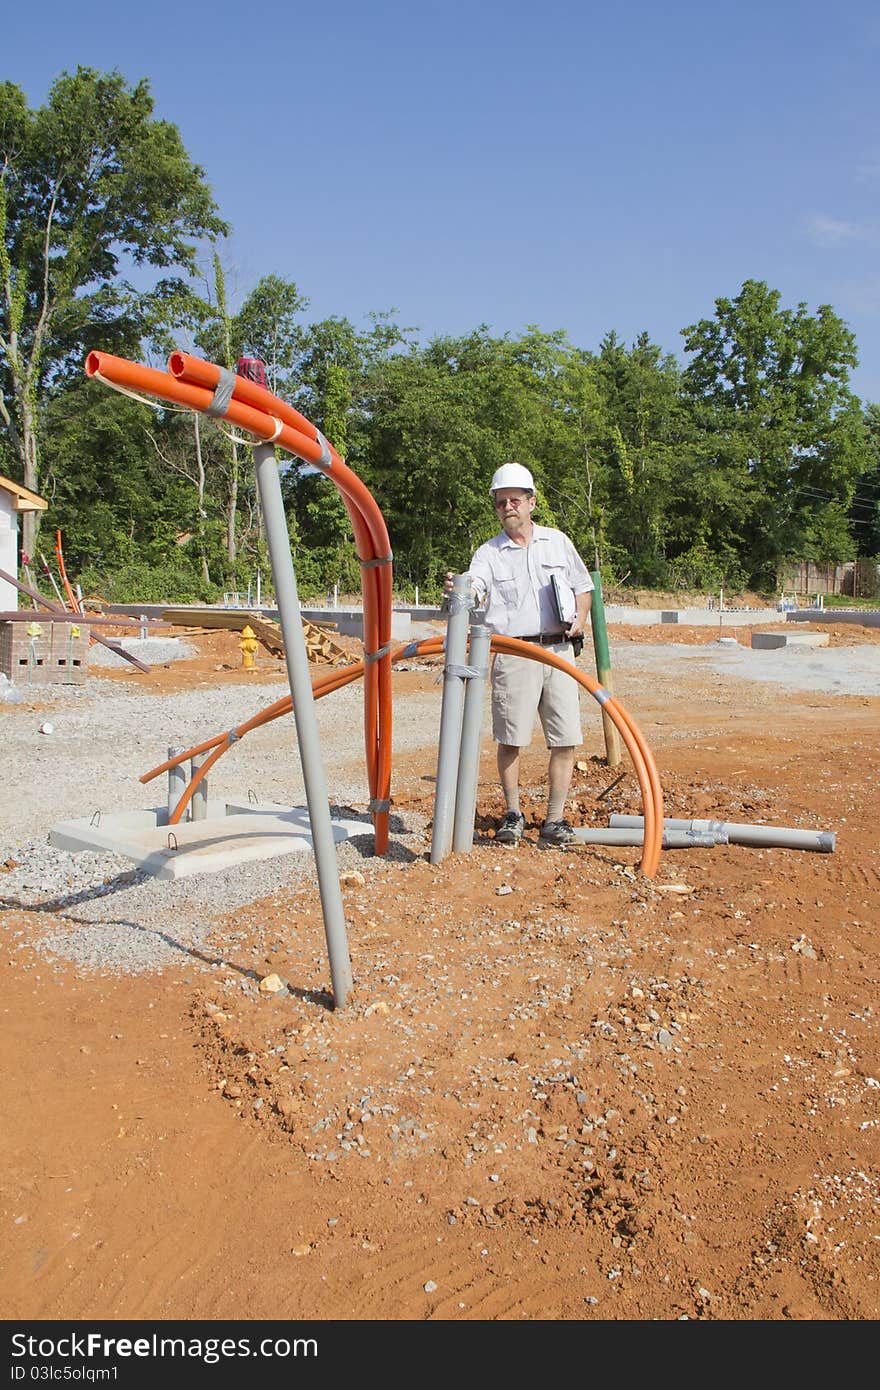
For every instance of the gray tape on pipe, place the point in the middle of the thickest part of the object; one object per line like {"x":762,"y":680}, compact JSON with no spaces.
{"x":222,"y":394}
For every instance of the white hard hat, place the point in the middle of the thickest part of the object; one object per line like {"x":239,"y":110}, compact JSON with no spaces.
{"x":512,"y":475}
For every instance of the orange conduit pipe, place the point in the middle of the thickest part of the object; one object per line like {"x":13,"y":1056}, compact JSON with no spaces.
{"x":642,"y":759}
{"x":373,"y":547}
{"x":59,"y":553}
{"x":273,"y":421}
{"x":223,"y":742}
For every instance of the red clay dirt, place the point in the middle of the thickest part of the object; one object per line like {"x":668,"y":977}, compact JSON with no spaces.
{"x":561,"y":1091}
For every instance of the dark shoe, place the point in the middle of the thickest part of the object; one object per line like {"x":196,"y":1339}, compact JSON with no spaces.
{"x":557,"y":832}
{"x":511,"y":829}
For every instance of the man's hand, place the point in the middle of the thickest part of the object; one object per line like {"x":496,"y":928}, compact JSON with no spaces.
{"x":577,"y":626}
{"x":448,"y":580}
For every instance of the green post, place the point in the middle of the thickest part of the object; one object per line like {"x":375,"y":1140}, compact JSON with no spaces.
{"x":603,"y":667}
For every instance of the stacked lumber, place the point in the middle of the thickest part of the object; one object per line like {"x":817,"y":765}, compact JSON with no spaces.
{"x":321,"y":648}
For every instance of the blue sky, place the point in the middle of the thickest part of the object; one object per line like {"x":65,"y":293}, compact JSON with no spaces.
{"x":578,"y":166}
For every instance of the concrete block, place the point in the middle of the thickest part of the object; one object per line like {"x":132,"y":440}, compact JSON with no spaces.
{"x":771,"y":641}
{"x":231,"y":833}
{"x":44,"y":653}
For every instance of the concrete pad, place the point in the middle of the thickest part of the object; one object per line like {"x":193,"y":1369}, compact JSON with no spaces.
{"x":231,"y":833}
{"x":768,"y":641}
{"x":865,"y":617}
{"x":690,"y":617}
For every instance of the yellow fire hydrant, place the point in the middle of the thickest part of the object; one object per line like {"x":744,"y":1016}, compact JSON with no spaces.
{"x":248,"y":645}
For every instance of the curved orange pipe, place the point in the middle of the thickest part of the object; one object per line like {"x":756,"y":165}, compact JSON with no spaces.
{"x":643,"y":761}
{"x":223,"y":742}
{"x":376,"y":588}
{"x":366,"y":520}
{"x":74,"y":601}
{"x":646,"y":769}
{"x":283,"y":426}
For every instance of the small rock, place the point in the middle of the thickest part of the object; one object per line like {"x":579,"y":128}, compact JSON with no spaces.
{"x":430,"y":1287}
{"x":271,"y":984}
{"x":352,"y":879}
{"x":803,"y":948}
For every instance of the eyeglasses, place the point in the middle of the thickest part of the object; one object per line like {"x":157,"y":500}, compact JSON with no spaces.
{"x":502,"y":502}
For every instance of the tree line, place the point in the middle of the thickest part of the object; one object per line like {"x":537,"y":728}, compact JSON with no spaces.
{"x":706,"y":472}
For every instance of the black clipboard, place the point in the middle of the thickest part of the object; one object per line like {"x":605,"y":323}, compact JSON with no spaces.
{"x":566,"y":615}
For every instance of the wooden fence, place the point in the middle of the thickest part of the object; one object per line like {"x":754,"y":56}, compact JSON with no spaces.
{"x":858,"y":578}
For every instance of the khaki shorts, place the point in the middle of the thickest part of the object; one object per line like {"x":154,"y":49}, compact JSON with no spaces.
{"x":522,"y":689}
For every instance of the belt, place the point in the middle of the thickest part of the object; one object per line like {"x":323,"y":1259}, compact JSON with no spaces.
{"x":545,"y":639}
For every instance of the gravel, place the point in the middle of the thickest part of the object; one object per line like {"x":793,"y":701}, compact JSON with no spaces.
{"x":833,"y":670}
{"x":110,"y":916}
{"x":107,"y":916}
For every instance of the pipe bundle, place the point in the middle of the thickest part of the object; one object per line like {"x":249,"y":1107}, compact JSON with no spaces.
{"x":192,"y":382}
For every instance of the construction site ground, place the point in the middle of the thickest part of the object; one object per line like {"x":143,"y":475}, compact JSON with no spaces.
{"x":560,"y":1091}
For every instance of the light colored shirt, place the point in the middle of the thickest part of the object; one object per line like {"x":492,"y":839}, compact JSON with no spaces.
{"x":513,"y":582}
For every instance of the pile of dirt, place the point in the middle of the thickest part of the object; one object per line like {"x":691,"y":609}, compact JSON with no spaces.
{"x":560,"y":1090}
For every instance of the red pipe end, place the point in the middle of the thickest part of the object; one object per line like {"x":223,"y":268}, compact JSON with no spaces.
{"x":175,"y":364}
{"x":93,"y":363}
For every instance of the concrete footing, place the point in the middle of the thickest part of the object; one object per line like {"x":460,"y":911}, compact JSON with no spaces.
{"x":230,"y":833}
{"x":769,"y":641}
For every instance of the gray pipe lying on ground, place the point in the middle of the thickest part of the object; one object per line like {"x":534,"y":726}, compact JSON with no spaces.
{"x":672,"y":839}
{"x":763,"y":835}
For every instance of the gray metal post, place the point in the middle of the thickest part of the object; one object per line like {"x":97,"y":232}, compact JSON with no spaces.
{"x":176,"y":778}
{"x":458,"y":607}
{"x":198,"y":806}
{"x":296,"y":657}
{"x":471,"y":730}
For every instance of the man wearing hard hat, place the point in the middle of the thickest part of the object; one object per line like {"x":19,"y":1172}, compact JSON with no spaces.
{"x":533,"y":585}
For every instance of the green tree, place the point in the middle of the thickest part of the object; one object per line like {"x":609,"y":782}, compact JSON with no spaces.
{"x":137,"y":516}
{"x":265,"y":326}
{"x":87,"y":181}
{"x":434,"y":438}
{"x":328,"y":384}
{"x":769,"y":388}
{"x":865,"y":507}
{"x":645,"y":449}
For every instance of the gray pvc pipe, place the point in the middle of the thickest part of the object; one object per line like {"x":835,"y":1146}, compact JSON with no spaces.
{"x":199,"y":802}
{"x":771,"y":835}
{"x":297,"y":660}
{"x":471,"y":730}
{"x":451,"y":711}
{"x":672,"y":839}
{"x":176,"y":779}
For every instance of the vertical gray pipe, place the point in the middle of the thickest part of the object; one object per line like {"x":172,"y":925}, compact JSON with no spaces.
{"x":176,"y":780}
{"x":471,"y":729}
{"x":458,"y":608}
{"x":296,"y":657}
{"x":198,"y":806}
